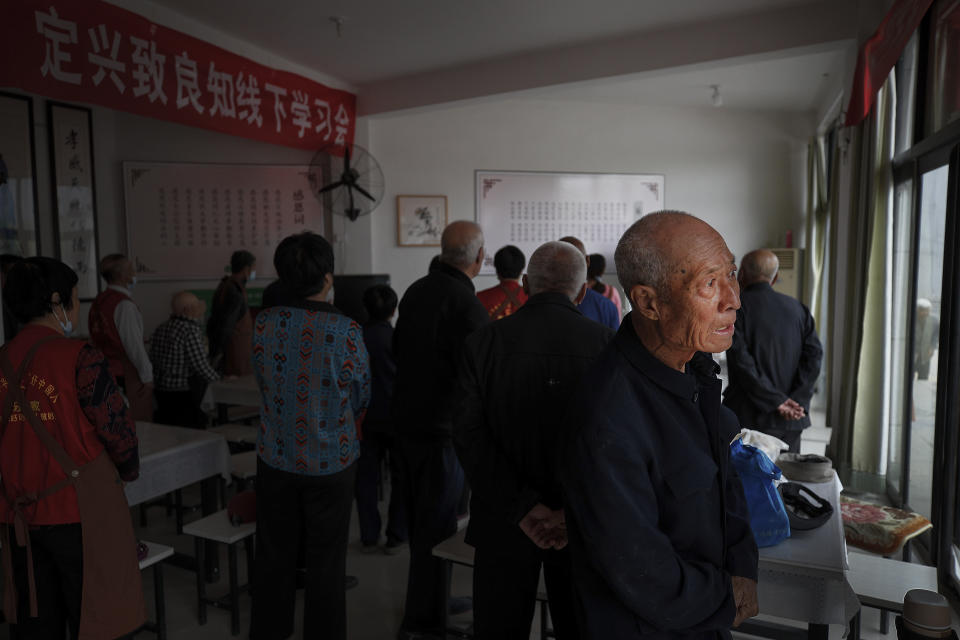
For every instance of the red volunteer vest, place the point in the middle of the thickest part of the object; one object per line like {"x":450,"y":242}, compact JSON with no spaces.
{"x":103,"y":329}
{"x":502,"y":300}
{"x":50,"y":385}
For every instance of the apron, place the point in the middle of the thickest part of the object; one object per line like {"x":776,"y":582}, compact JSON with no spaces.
{"x":139,"y":396}
{"x":112,"y":592}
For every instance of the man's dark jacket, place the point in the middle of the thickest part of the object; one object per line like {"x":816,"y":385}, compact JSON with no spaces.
{"x":437,"y":313}
{"x":655,"y":512}
{"x":518,"y":376}
{"x":378,"y":338}
{"x":775,"y":355}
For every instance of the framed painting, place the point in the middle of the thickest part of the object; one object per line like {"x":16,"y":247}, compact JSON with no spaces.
{"x":19,"y":223}
{"x":420,"y":220}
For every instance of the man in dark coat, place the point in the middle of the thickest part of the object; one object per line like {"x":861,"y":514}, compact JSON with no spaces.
{"x":655,"y":514}
{"x":518,"y":375}
{"x":437,"y":313}
{"x":230,"y":327}
{"x":775,"y":357}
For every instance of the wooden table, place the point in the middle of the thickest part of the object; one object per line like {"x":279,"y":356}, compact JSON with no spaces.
{"x":220,"y":395}
{"x":172,"y":458}
{"x":804,"y":577}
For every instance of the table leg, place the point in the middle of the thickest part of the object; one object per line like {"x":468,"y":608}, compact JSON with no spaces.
{"x":855,"y":627}
{"x":161,"y":605}
{"x":445,"y":594}
{"x":234,"y":591}
{"x":208,"y":505}
{"x":201,"y":583}
{"x":818,"y":631}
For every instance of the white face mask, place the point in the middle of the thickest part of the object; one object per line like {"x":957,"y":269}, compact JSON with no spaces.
{"x":66,"y":324}
{"x":253,"y":276}
{"x":330,"y":295}
{"x":133,"y":283}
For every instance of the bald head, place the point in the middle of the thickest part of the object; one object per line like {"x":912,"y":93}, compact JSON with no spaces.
{"x":187,"y":305}
{"x":655,"y":245}
{"x":575,"y":241}
{"x":117,"y":269}
{"x":461,"y":246}
{"x":556,"y":267}
{"x":759,"y":266}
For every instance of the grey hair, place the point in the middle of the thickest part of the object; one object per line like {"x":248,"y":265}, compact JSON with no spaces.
{"x":640,"y":256}
{"x":558,"y":267}
{"x":462,"y":256}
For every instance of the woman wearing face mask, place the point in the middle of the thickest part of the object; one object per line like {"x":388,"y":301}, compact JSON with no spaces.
{"x":66,"y":440}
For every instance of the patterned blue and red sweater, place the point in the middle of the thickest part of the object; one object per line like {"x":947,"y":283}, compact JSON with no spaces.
{"x":314,"y":376}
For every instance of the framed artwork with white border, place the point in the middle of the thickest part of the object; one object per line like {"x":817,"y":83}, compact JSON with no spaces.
{"x":420,"y":220}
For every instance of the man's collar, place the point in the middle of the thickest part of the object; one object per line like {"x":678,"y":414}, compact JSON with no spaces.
{"x":758,"y":286}
{"x":125,"y":291}
{"x":549,"y":297}
{"x":683,"y":385}
{"x":455,"y":273}
{"x":177,"y":316}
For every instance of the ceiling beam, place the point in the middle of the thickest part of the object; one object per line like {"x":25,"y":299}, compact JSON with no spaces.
{"x":758,"y":33}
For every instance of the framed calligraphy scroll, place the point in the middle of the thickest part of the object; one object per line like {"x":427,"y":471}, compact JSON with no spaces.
{"x":528,"y":208}
{"x":18,"y":177}
{"x":74,"y":192}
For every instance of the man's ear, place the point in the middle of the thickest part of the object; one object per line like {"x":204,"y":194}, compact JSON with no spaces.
{"x":526,"y":284}
{"x":776,"y":277}
{"x":328,"y":280}
{"x":480,"y":255}
{"x":645,"y":302}
{"x":582,"y":294}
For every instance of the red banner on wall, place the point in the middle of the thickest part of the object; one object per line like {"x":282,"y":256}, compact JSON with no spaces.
{"x":98,"y":53}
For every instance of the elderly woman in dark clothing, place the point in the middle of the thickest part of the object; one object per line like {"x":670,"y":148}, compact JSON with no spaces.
{"x":312,"y":367}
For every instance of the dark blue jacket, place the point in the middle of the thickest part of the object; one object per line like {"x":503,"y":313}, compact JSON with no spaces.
{"x":600,"y":309}
{"x":656,"y":516}
{"x":378,"y":337}
{"x":775,"y":355}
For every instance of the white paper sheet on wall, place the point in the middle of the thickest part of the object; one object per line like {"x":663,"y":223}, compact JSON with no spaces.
{"x":184,"y":220}
{"x":526,"y":208}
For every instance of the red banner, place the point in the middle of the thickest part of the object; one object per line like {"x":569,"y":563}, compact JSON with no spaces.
{"x":98,"y":53}
{"x":880,"y":53}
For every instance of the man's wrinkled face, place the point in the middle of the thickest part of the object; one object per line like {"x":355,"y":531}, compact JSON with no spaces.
{"x":704,"y":295}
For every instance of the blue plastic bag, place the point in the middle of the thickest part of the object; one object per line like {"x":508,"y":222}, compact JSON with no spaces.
{"x":768,"y":516}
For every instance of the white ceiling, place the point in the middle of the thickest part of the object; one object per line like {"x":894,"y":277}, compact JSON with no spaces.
{"x":792,"y":82}
{"x":391,"y":38}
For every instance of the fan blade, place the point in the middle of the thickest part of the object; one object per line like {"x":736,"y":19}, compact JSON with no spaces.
{"x":364,"y":192}
{"x":331,"y":187}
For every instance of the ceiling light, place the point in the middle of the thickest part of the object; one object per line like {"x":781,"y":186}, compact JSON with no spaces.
{"x":716,"y":99}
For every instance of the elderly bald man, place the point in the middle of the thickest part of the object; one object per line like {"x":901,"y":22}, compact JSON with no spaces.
{"x":517,"y":377}
{"x":437,"y":313}
{"x":180,"y":364}
{"x":594,"y":305}
{"x":775,"y":357}
{"x":658,"y":527}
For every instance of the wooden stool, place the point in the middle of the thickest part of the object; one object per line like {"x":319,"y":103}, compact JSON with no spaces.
{"x":217,"y":528}
{"x":156,"y":554}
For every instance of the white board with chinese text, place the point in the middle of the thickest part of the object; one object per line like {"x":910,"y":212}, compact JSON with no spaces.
{"x":185,"y":220}
{"x":528,"y":208}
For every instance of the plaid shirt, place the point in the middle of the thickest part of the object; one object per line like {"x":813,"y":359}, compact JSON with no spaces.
{"x":178,"y":353}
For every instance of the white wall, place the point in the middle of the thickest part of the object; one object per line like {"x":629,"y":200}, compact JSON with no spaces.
{"x":740,"y":171}
{"x":121,"y":137}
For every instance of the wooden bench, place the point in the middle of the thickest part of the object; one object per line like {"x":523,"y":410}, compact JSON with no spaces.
{"x":156,"y":554}
{"x":455,"y":550}
{"x":881,"y":583}
{"x":217,"y":528}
